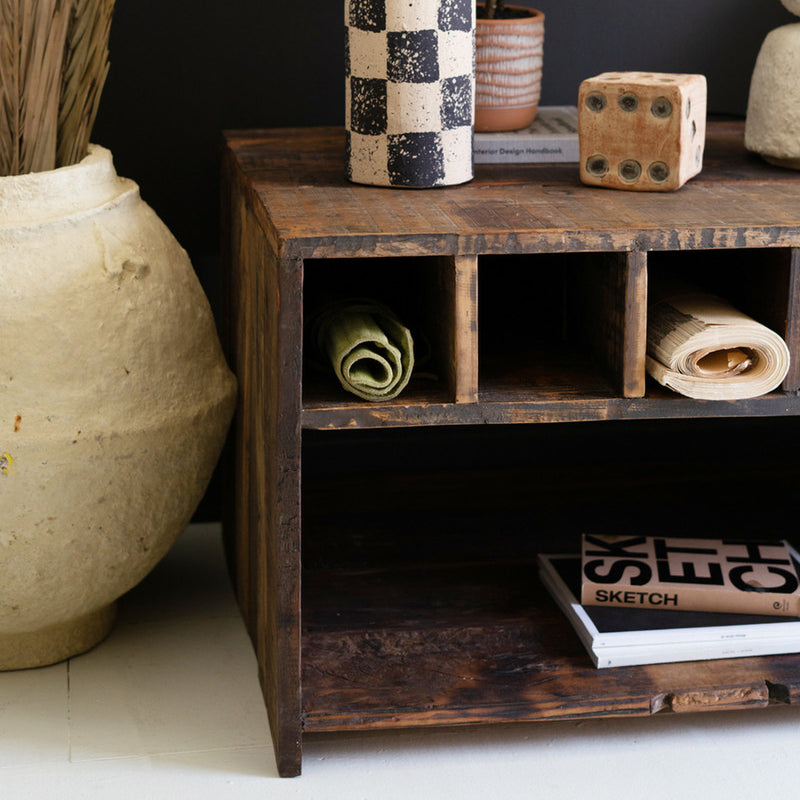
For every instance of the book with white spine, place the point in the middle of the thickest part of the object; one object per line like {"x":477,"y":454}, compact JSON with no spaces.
{"x":551,"y":138}
{"x":618,"y":637}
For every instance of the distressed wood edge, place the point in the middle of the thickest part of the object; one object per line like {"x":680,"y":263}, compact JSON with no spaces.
{"x":464,"y":288}
{"x":742,"y":697}
{"x":634,"y":375}
{"x":792,"y":331}
{"x":549,"y":411}
{"x":276,"y":494}
{"x":237,"y":175}
{"x":266,"y":515}
{"x":717,"y":698}
{"x":452,"y":311}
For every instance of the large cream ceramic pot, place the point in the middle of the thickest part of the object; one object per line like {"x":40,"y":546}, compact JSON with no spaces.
{"x":114,"y":403}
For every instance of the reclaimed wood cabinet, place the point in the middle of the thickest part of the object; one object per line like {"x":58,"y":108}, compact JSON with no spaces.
{"x":384,"y":553}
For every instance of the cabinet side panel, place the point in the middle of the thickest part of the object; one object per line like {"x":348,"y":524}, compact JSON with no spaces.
{"x":276,"y":495}
{"x":267,"y":498}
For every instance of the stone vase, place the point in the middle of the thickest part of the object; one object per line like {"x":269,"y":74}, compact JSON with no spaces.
{"x":508,"y":70}
{"x":772,"y":128}
{"x":409,"y":89}
{"x":114,"y":403}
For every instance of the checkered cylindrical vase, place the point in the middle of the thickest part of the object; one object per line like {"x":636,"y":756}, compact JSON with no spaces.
{"x":410,"y":84}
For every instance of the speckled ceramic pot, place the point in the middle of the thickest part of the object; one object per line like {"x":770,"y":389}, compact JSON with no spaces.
{"x":409,"y":91}
{"x":114,"y":402}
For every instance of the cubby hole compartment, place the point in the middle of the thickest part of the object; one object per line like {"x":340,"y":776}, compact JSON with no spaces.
{"x":416,"y":290}
{"x":420,"y":598}
{"x":561,"y":326}
{"x":760,"y":282}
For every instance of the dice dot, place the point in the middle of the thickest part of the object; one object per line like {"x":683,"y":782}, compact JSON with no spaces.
{"x":658,"y":172}
{"x":628,"y":102}
{"x":596,"y":101}
{"x":694,"y":129}
{"x":630,"y":170}
{"x":688,"y":107}
{"x":597,"y":166}
{"x":661,"y":108}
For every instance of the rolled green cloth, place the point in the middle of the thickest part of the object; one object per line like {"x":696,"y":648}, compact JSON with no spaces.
{"x":370,"y":351}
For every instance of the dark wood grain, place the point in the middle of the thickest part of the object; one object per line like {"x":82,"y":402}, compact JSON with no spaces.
{"x":428,"y":611}
{"x":484,"y":643}
{"x":314,"y":212}
{"x":275,"y":498}
{"x":263,"y":527}
{"x":457,"y":328}
{"x":398,"y":592}
{"x":592,"y":400}
{"x":787,"y":320}
{"x":614,"y":315}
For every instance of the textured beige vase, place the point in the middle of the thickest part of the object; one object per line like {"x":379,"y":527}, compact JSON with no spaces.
{"x":508,"y":71}
{"x":114,"y":402}
{"x":773,"y":109}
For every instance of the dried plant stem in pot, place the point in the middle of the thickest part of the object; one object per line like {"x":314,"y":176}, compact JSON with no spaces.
{"x":53,"y":64}
{"x":32,"y":35}
{"x":84,"y":74}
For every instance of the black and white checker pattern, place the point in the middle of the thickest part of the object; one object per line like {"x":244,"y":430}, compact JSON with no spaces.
{"x":410,"y":84}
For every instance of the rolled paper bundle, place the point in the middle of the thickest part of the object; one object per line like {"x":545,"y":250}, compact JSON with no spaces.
{"x":700,"y":346}
{"x":370,"y":351}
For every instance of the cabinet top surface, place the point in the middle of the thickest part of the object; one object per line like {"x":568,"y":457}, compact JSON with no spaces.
{"x":295,"y":179}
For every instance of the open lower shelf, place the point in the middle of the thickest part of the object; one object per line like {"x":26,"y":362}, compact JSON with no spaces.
{"x":421,"y":603}
{"x":483,"y":642}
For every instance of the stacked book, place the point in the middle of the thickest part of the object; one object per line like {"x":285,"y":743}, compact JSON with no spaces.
{"x":551,"y":138}
{"x":650,"y":600}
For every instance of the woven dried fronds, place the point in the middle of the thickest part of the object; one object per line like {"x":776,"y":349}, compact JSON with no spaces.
{"x":53,"y":65}
{"x":32,"y":36}
{"x":10,"y":78}
{"x":84,"y":74}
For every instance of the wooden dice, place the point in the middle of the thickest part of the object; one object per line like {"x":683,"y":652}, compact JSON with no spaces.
{"x":641,"y":131}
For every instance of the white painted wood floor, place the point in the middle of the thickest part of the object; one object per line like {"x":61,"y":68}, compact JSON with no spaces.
{"x":169,"y":707}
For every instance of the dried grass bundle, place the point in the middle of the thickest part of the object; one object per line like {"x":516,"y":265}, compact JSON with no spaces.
{"x":84,"y":75}
{"x":53,"y":63}
{"x":31,"y":52}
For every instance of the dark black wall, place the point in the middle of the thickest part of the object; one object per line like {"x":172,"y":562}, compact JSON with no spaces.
{"x":182,"y":71}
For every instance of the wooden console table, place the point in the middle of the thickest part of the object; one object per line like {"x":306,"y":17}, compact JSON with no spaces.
{"x":384,"y":554}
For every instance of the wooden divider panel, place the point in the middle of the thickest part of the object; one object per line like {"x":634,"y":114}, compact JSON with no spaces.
{"x":454,"y":325}
{"x":614,"y":296}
